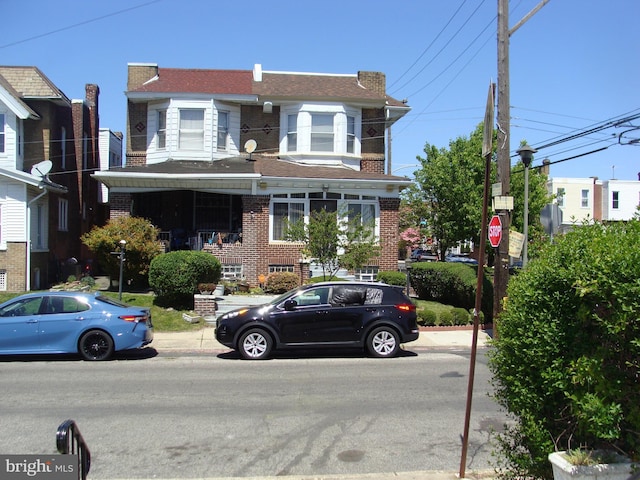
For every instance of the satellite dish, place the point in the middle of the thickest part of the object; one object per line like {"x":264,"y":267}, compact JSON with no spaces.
{"x":42,"y":168}
{"x":250,"y":146}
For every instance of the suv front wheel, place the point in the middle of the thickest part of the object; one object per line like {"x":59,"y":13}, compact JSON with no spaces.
{"x":255,"y":344}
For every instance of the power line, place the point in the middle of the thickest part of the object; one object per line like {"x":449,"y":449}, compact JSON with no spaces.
{"x":85,"y":22}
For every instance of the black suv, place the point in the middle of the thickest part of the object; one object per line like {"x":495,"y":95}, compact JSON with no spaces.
{"x":376,"y":316}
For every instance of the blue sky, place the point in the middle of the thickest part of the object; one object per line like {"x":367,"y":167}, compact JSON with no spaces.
{"x":573,"y":66}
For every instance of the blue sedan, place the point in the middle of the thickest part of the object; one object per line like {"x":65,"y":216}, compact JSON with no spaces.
{"x":90,"y":324}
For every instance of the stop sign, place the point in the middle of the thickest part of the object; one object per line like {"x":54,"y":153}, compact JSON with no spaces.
{"x":495,"y":231}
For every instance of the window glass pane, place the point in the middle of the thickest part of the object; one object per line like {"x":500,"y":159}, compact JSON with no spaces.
{"x":351,"y":134}
{"x":223,"y":130}
{"x":322,"y":133}
{"x":292,"y":133}
{"x":162,"y":129}
{"x":192,"y":129}
{"x":280,"y":214}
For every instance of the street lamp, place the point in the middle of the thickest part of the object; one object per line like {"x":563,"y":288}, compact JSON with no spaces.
{"x":122,"y":244}
{"x":526,"y":154}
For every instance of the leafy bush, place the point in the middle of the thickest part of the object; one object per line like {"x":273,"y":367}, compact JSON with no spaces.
{"x":427,"y":317}
{"x":175,"y":276}
{"x":452,"y":284}
{"x":566,"y":358}
{"x":446,"y":318}
{"x":141,"y":247}
{"x":392,"y":278}
{"x":461,"y":316}
{"x":281,"y":282}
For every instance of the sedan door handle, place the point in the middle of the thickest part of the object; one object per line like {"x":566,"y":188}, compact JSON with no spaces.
{"x":322,"y":312}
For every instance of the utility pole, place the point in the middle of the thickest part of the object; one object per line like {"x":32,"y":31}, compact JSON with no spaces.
{"x":501,"y":267}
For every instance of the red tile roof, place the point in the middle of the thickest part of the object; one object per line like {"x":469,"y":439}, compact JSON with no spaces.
{"x":200,"y":81}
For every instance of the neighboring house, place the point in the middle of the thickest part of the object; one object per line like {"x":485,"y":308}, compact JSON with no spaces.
{"x":582,"y":199}
{"x":110,"y":154}
{"x":220,"y":160}
{"x":48,"y":148}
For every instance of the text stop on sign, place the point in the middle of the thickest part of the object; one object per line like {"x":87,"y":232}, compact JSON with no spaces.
{"x":495,"y":231}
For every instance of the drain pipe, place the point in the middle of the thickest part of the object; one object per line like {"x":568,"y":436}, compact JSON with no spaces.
{"x":28,"y":279}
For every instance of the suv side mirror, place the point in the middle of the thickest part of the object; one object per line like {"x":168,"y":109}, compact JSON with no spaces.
{"x":290,"y":305}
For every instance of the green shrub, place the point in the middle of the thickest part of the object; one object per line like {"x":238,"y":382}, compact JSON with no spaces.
{"x":461,"y":316}
{"x":446,"y":318}
{"x":427,"y":317}
{"x":175,"y":276}
{"x":566,"y":356}
{"x":89,"y":281}
{"x":281,"y":282}
{"x":392,"y":278}
{"x":452,"y":284}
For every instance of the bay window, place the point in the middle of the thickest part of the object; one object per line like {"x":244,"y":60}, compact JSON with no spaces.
{"x":161,"y":131}
{"x":292,"y":133}
{"x":322,"y":133}
{"x":223,"y":130}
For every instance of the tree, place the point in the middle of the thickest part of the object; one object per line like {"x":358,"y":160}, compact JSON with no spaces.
{"x":449,"y":187}
{"x":448,"y":190}
{"x":333,"y":241}
{"x":141,"y":247}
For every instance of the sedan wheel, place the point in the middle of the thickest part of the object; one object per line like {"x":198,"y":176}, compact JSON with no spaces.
{"x":383,"y":342}
{"x":96,"y":345}
{"x":255,"y":344}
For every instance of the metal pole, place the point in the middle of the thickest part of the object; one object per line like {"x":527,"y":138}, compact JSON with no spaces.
{"x":122,"y":244}
{"x":525,"y":248}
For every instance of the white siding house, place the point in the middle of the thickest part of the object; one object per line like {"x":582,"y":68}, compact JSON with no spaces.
{"x":620,"y":199}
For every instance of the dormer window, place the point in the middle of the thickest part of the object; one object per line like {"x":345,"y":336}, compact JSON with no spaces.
{"x":1,"y":132}
{"x":191,"y":134}
{"x":223,"y":130}
{"x":292,"y":133}
{"x":351,"y":134}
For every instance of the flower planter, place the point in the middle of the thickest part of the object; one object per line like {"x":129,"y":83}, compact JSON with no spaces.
{"x":565,"y":470}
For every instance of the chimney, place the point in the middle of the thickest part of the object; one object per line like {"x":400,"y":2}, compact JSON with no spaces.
{"x":140,"y":73}
{"x":545,"y":166}
{"x":374,"y":81}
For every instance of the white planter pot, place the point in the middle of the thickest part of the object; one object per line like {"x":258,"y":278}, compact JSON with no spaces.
{"x":219,"y":291}
{"x":564,"y":470}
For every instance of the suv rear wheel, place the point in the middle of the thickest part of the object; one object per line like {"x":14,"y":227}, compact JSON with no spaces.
{"x":383,"y":342}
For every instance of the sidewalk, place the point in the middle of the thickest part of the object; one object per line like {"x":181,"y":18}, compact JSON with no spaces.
{"x":203,"y":340}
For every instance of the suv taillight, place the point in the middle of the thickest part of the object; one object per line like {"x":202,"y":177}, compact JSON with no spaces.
{"x":406,"y":307}
{"x":134,"y":318}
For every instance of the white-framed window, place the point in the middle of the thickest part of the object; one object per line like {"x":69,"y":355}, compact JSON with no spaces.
{"x":292,"y":132}
{"x":584,"y":198}
{"x":2,"y":133}
{"x":63,"y":148}
{"x":285,"y":211}
{"x":161,"y":130}
{"x":191,"y":133}
{"x":560,"y":196}
{"x":366,"y":274}
{"x":322,"y":134}
{"x":63,"y":215}
{"x":351,"y":134}
{"x":615,"y":200}
{"x":3,"y":280}
{"x":321,"y":129}
{"x":223,"y":130}
{"x":364,"y":212}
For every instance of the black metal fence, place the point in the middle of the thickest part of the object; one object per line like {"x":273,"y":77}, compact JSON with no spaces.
{"x":69,"y":441}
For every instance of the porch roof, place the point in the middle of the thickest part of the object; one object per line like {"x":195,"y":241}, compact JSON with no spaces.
{"x":242,"y":175}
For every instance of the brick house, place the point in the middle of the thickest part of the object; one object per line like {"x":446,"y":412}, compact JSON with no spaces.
{"x":48,"y":148}
{"x":220,"y":159}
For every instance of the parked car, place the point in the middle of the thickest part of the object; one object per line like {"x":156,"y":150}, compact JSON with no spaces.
{"x":374,"y":316}
{"x":461,"y":259}
{"x":420,"y":255}
{"x":92,"y":325}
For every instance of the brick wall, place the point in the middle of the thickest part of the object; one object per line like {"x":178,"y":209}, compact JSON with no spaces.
{"x":136,"y":129}
{"x":13,"y":260}
{"x":262,"y":127}
{"x":138,"y":74}
{"x":389,"y":233}
{"x":204,"y":305}
{"x":120,"y":205}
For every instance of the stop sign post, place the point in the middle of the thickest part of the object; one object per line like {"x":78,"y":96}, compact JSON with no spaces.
{"x":495,"y":231}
